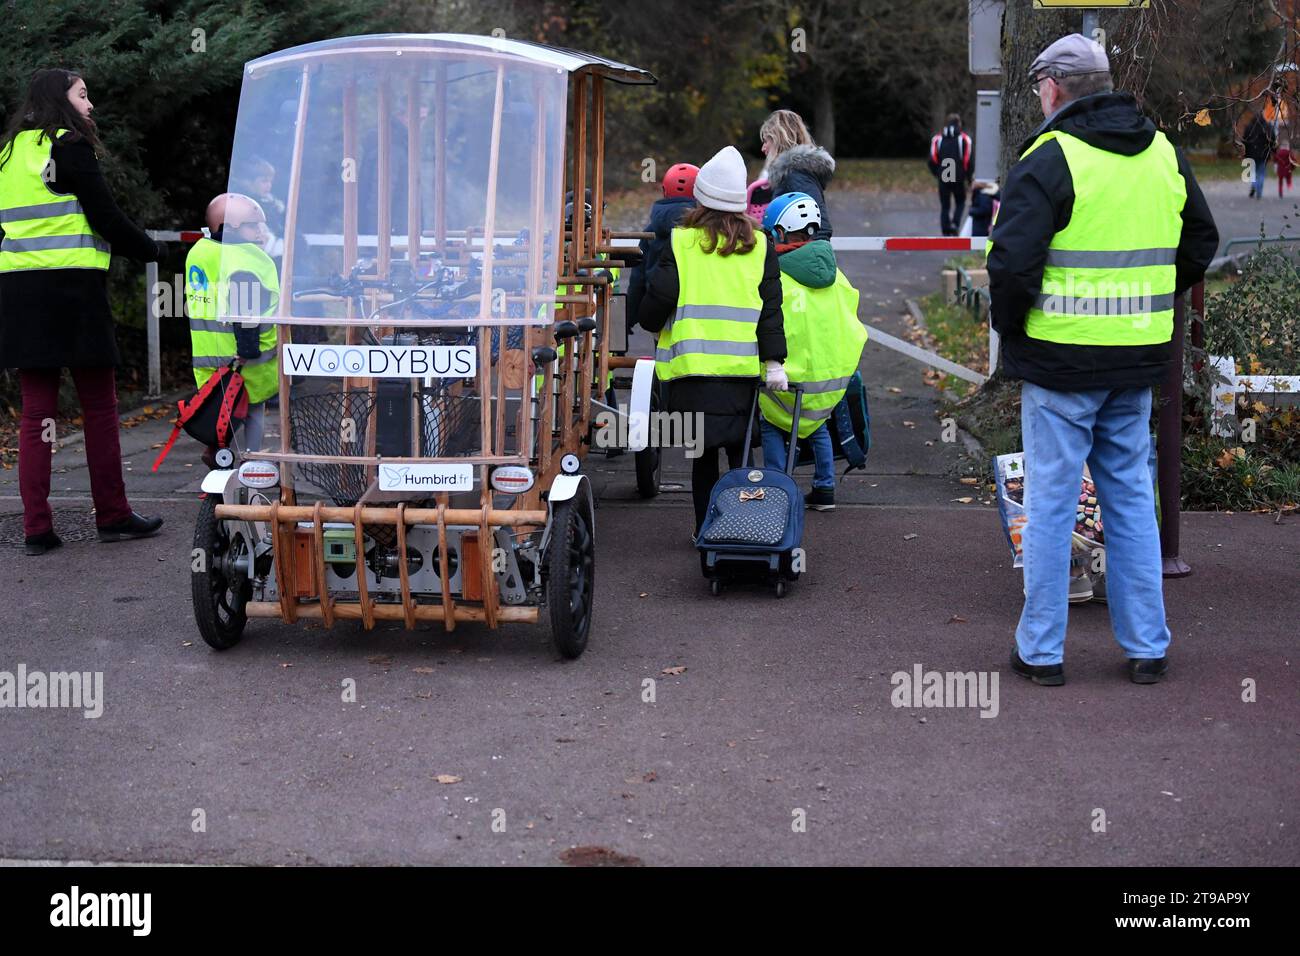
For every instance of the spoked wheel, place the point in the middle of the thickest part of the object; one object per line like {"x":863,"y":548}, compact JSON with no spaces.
{"x":570,"y":577}
{"x":219,"y":597}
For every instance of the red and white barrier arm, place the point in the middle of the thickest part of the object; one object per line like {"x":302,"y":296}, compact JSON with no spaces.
{"x":908,"y":243}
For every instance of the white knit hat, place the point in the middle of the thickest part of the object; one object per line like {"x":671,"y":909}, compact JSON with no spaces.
{"x":720,"y":183}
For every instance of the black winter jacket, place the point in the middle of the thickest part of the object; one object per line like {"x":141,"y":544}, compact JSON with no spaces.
{"x":1036,"y":204}
{"x":804,"y":169}
{"x":726,"y":401}
{"x":664,"y":215}
{"x":60,"y":318}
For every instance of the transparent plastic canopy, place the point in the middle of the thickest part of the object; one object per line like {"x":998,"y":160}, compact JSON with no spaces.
{"x":409,"y":180}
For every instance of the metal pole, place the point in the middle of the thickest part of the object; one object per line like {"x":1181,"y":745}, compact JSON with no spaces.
{"x":1169,"y":452}
{"x":151,"y":329}
{"x":1090,"y":24}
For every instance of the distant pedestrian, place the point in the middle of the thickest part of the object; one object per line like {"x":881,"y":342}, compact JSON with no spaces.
{"x":1258,"y":143}
{"x":1285,"y":162}
{"x":795,"y":164}
{"x":59,"y":219}
{"x":1101,"y":227}
{"x":950,"y":158}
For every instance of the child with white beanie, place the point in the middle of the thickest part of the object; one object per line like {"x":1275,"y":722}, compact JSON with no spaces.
{"x":715,"y":302}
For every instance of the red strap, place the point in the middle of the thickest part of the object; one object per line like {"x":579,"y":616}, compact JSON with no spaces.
{"x":234,"y":388}
{"x":176,"y":430}
{"x":934,"y":149}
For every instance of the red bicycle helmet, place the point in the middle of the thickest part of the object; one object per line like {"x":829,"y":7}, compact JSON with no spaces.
{"x":680,"y":180}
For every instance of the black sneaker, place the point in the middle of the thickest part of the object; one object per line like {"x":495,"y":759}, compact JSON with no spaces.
{"x":1048,"y":675}
{"x":1147,"y":670}
{"x":820,"y":499}
{"x":40,"y":543}
{"x":136,"y":526}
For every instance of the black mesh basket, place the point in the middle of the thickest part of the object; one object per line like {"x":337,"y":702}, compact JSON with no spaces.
{"x":445,"y":423}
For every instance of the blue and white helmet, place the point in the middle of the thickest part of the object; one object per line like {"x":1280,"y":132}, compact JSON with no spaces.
{"x":793,"y":212}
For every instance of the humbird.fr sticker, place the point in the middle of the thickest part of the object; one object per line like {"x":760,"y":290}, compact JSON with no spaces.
{"x":426,"y":477}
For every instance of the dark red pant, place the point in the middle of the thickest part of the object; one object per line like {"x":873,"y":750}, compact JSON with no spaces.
{"x":97,"y":392}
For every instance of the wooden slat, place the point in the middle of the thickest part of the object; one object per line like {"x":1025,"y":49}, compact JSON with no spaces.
{"x":349,"y":611}
{"x":403,"y":572}
{"x":327,"y":604}
{"x":377,"y":515}
{"x":444,"y":566}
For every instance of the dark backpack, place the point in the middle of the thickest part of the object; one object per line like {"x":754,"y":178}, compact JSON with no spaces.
{"x":213,"y":413}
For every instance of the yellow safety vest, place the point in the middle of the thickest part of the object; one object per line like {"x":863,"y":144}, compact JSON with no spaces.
{"x":714,"y":331}
{"x":43,"y":229}
{"x":207,"y":296}
{"x":824,"y":342}
{"x":1110,"y":274}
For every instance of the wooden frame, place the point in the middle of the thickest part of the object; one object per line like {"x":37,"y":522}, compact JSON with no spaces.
{"x":548,"y":424}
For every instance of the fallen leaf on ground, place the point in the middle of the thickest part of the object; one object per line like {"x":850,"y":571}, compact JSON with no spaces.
{"x":957,"y":619}
{"x":896,"y":391}
{"x":649,"y":777}
{"x":423,"y":670}
{"x":909,"y":537}
{"x":966,"y":500}
{"x":447,"y":778}
{"x":970,"y":481}
{"x":597,"y":856}
{"x":674,"y":670}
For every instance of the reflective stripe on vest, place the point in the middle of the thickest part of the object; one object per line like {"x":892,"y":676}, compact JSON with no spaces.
{"x":43,"y":229}
{"x":1109,"y":275}
{"x":207,"y":296}
{"x":824,"y":342}
{"x":714,"y":330}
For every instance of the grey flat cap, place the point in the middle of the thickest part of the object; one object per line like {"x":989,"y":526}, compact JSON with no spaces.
{"x":1070,"y":55}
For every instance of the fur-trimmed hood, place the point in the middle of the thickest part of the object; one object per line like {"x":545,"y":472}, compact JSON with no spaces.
{"x":812,"y":160}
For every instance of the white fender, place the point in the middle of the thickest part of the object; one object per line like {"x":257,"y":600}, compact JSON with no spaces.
{"x":565,"y":487}
{"x":638,"y":416}
{"x":218,"y":480}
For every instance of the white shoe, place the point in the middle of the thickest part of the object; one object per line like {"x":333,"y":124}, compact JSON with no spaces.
{"x":1080,"y":589}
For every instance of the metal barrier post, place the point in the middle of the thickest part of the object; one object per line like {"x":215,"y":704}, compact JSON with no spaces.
{"x":1169,"y":452}
{"x":152,"y":331}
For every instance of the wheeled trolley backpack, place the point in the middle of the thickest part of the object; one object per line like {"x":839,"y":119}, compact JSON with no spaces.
{"x":755,"y":517}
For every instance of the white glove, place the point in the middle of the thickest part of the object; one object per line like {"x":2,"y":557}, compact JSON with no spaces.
{"x":776,"y":379}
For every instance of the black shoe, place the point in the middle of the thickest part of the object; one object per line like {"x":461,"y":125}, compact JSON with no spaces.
{"x":136,"y":526}
{"x":820,"y":499}
{"x":1147,"y":670}
{"x":40,"y":543}
{"x":1048,"y":675}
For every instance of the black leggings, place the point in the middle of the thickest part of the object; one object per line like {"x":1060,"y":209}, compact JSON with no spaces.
{"x":953,"y":194}
{"x":704,"y":475}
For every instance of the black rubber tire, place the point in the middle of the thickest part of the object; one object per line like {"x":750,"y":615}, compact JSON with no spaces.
{"x":715,"y":587}
{"x":570,"y":572}
{"x":780,"y":589}
{"x":219,"y":610}
{"x":647,"y":472}
{"x":648,"y":459}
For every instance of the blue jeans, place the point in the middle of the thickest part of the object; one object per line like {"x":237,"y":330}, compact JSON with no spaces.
{"x":775,"y":443}
{"x":1109,"y":429}
{"x":1261,"y":170}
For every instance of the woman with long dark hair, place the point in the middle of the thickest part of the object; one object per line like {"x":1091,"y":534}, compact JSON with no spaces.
{"x":60,"y":226}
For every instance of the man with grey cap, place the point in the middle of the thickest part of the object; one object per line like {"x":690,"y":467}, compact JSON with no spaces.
{"x":1101,"y":227}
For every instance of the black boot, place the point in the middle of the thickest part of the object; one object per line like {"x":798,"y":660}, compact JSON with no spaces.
{"x":136,"y":526}
{"x":1147,"y":671}
{"x":1048,"y":675}
{"x":40,"y":543}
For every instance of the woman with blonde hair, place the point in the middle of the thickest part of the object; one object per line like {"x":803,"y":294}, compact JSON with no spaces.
{"x":796,"y":164}
{"x":715,"y":302}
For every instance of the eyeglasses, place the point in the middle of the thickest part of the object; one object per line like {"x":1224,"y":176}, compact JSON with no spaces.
{"x":1038,"y":82}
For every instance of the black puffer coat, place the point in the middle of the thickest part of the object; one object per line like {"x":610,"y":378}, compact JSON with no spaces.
{"x":804,"y":169}
{"x":60,"y":318}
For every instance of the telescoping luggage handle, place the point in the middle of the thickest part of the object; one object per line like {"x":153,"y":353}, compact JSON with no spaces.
{"x":794,"y":429}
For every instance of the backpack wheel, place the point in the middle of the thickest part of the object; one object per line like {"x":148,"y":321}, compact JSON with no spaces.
{"x":715,"y":587}
{"x":780,"y":589}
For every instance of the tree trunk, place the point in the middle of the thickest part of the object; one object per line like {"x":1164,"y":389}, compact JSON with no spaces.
{"x":1025,"y":34}
{"x":824,"y":113}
